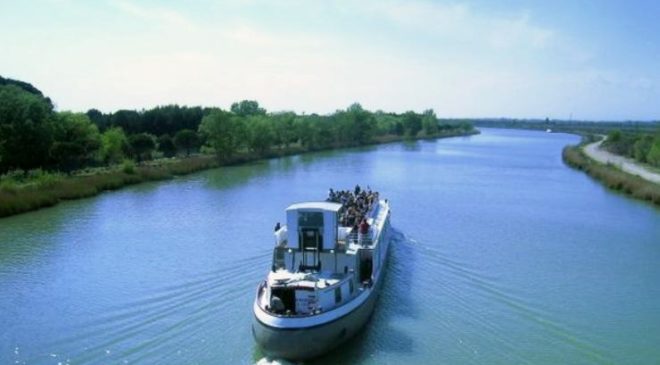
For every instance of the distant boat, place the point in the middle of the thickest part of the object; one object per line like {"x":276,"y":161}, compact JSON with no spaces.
{"x":548,"y":130}
{"x":324,"y":279}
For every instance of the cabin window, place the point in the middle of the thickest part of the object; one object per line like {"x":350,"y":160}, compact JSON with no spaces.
{"x":338,"y":294}
{"x":350,"y":286}
{"x":310,"y":219}
{"x":311,"y":228}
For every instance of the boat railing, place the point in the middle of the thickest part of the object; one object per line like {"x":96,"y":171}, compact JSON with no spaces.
{"x":365,"y":239}
{"x":352,"y":237}
{"x":373,"y":212}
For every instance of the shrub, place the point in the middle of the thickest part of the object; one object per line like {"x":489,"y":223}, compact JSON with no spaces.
{"x":128,"y":166}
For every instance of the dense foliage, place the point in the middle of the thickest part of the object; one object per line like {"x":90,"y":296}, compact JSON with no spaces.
{"x":76,"y":141}
{"x":26,"y":129}
{"x":33,"y":135}
{"x":643,"y":147}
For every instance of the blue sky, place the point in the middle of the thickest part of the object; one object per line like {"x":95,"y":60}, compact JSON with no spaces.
{"x":595,"y":60}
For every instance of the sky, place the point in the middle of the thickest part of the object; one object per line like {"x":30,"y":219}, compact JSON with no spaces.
{"x":587,"y":60}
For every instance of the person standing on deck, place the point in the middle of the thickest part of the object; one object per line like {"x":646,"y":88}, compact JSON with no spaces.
{"x":364,"y":230}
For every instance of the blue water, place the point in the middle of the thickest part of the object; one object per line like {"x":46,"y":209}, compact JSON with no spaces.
{"x":502,"y":255}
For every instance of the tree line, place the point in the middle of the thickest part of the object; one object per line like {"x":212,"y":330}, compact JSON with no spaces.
{"x":34,"y":135}
{"x":570,"y":126}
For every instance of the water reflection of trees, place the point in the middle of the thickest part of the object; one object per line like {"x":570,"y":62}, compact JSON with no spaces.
{"x":227,"y":177}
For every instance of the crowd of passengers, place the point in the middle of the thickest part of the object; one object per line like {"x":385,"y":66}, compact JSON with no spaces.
{"x":357,"y":204}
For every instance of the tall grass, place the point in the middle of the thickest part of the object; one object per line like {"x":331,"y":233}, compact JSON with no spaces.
{"x":612,"y":177}
{"x":21,"y":193}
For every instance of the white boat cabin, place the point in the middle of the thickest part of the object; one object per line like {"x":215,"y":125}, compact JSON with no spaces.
{"x":318,"y":264}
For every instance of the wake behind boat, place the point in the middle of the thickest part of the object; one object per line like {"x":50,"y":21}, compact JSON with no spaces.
{"x":327,"y":269}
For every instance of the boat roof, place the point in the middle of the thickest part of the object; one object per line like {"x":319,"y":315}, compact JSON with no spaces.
{"x":325,"y":206}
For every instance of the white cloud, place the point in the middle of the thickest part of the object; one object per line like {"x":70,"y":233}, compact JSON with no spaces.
{"x":159,"y":15}
{"x":518,"y":31}
{"x":252,"y":36}
{"x":462,"y":23}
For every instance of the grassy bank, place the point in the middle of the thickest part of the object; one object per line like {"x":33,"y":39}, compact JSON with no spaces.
{"x":16,"y":197}
{"x":611,"y":176}
{"x":30,"y":191}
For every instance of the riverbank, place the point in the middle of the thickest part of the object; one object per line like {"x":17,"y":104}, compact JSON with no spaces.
{"x":596,"y":152}
{"x":611,"y":176}
{"x":49,"y":189}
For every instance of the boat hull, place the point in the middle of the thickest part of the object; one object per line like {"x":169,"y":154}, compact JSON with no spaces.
{"x":309,"y":342}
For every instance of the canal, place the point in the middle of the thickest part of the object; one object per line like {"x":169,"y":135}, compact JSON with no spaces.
{"x":502,"y":255}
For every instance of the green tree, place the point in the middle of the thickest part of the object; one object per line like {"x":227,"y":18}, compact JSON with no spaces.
{"x":223,"y":131}
{"x":388,"y":123}
{"x":653,"y":157}
{"x":429,"y":122}
{"x":361,"y":124}
{"x":186,"y":140}
{"x":114,"y":145}
{"x":166,"y":145}
{"x":398,"y":128}
{"x":260,"y":134}
{"x":466,"y":126}
{"x":26,"y":87}
{"x":247,"y":107}
{"x":412,"y":123}
{"x":620,"y":143}
{"x":614,"y":136}
{"x":284,"y":128}
{"x":26,"y":133}
{"x":142,"y":145}
{"x":129,"y":120}
{"x":76,"y":141}
{"x":323,"y":134}
{"x":304,"y":131}
{"x":642,"y":147}
{"x":98,"y":118}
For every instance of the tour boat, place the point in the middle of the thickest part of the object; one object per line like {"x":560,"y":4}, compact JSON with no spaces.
{"x":325,"y":276}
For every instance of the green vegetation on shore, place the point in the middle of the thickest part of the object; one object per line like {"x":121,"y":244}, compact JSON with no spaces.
{"x":642,"y":147}
{"x":47,"y":156}
{"x":611,"y":176}
{"x":39,"y":189}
